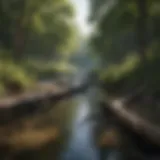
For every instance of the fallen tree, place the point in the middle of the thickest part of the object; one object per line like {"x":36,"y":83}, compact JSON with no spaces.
{"x":131,"y":120}
{"x":11,"y":110}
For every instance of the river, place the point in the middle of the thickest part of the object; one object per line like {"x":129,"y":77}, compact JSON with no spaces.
{"x":87,"y":121}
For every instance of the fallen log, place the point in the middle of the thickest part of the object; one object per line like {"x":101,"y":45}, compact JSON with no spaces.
{"x":18,"y":108}
{"x":133,"y":121}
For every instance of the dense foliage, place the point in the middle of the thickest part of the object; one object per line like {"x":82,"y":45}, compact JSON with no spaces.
{"x":35,"y":31}
{"x":127,"y":41}
{"x":124,"y":27}
{"x":36,"y":27}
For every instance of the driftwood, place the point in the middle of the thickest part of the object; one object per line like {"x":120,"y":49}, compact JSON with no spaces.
{"x":17,"y":108}
{"x":133,"y":121}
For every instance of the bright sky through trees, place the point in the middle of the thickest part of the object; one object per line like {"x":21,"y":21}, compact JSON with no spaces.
{"x":82,"y":12}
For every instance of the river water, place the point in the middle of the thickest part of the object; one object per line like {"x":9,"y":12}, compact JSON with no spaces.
{"x":87,"y":121}
{"x":81,"y":145}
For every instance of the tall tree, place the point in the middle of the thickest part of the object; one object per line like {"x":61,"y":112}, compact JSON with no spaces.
{"x":22,"y":19}
{"x":142,"y":26}
{"x":123,"y":27}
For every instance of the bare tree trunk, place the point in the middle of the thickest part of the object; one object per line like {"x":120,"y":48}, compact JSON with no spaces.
{"x":141,"y":28}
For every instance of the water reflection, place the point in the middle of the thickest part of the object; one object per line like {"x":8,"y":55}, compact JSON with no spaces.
{"x":82,"y":141}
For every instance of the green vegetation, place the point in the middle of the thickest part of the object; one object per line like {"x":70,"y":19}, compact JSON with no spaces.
{"x":32,"y":32}
{"x":131,"y":74}
{"x":14,"y":78}
{"x":17,"y":78}
{"x":127,"y":41}
{"x":127,"y":26}
{"x":116,"y":75}
{"x":48,"y":70}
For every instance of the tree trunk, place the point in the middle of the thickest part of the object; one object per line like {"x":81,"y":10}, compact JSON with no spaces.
{"x":132,"y":121}
{"x":141,"y":28}
{"x":19,"y":35}
{"x":18,"y":42}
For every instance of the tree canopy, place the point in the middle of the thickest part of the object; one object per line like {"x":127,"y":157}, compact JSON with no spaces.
{"x":37,"y":27}
{"x":124,"y":27}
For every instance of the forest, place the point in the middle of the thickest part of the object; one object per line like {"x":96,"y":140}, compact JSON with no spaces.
{"x":37,"y":38}
{"x":75,"y":96}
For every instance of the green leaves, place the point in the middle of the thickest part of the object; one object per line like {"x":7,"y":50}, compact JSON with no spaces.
{"x":48,"y":24}
{"x":117,"y":27}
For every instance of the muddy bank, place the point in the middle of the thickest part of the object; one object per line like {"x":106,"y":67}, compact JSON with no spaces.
{"x":38,"y":136}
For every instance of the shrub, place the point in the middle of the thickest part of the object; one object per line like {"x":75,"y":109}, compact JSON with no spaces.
{"x":14,"y":78}
{"x":131,"y":74}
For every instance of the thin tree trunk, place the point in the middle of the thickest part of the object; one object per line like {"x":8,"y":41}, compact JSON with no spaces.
{"x":141,"y":28}
{"x":18,"y":42}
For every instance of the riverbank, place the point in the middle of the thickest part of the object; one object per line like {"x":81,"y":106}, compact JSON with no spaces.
{"x":136,"y":84}
{"x":25,"y":75}
{"x":135,"y":137}
{"x":38,"y":136}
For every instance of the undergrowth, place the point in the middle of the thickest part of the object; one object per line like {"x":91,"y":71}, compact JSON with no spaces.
{"x":132,"y":74}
